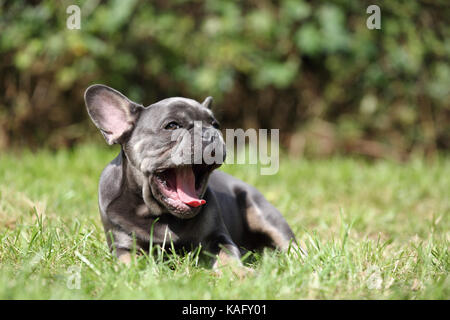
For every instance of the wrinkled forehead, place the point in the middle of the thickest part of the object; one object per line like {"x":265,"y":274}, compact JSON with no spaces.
{"x":176,"y":107}
{"x":179,"y":100}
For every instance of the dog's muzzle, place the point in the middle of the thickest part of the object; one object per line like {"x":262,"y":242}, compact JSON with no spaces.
{"x":181,"y":183}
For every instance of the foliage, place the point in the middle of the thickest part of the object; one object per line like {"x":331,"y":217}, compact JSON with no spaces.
{"x":310,"y":68}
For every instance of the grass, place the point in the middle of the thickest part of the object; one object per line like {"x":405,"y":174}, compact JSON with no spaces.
{"x":373,"y":231}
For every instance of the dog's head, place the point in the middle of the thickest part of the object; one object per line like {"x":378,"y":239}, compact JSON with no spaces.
{"x":172,"y":145}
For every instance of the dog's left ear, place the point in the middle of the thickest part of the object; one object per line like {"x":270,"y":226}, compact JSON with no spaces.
{"x":208,"y":102}
{"x":113,"y":113}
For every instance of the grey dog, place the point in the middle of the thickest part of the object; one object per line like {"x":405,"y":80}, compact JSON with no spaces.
{"x":143,"y":192}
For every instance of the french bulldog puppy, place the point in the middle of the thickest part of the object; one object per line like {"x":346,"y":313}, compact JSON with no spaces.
{"x":146,"y":191}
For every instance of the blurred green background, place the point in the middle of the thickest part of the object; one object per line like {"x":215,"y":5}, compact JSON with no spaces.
{"x":312,"y":69}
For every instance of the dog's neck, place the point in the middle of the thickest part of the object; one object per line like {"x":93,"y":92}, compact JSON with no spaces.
{"x":133,"y":178}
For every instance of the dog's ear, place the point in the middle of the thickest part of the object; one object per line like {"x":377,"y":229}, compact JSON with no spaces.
{"x":208,"y":102}
{"x":113,"y":113}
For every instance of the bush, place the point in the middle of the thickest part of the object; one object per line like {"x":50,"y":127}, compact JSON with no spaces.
{"x":314,"y":70}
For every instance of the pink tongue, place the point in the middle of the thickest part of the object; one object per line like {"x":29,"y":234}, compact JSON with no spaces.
{"x":186,"y":187}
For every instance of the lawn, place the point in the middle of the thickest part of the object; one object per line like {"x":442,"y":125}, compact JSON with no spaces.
{"x":374,"y":230}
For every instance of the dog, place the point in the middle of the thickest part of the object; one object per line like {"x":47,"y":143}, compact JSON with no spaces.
{"x":145,"y":196}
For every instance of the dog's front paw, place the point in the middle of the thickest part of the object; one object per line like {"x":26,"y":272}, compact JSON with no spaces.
{"x":124,"y":256}
{"x":236,"y":269}
{"x":244,"y":272}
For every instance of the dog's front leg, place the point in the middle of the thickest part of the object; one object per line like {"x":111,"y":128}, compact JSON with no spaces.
{"x":123,"y":245}
{"x":227,"y":255}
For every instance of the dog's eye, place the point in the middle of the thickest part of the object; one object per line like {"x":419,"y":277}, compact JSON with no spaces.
{"x":172,"y":126}
{"x":216,"y":125}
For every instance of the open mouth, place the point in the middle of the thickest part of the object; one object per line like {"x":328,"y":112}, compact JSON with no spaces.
{"x":182,"y":187}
